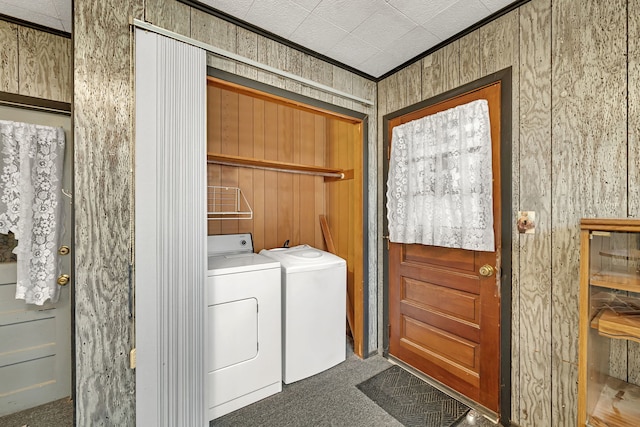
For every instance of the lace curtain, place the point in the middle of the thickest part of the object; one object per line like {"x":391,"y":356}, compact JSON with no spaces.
{"x":439,"y":188}
{"x":31,"y":157}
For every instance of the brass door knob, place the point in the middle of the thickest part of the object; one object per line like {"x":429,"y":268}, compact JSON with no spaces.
{"x":64,"y":250}
{"x":63,"y":279}
{"x":486,"y":270}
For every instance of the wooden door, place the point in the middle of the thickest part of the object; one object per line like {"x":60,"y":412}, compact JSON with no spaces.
{"x":444,"y":315}
{"x":35,"y":341}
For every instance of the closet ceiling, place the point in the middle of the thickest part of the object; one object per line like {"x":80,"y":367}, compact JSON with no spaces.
{"x":373,"y":36}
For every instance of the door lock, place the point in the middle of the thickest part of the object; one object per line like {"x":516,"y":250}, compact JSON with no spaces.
{"x":64,"y":250}
{"x":63,"y":279}
{"x":486,"y":270}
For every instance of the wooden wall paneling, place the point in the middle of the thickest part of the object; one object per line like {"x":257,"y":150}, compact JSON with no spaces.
{"x":229,"y":137}
{"x":350,"y":201}
{"x":499,"y":50}
{"x":342,"y":208}
{"x":342,"y":80}
{"x":216,"y":32}
{"x":44,"y":65}
{"x":259,"y":190}
{"x":410,"y":82}
{"x":247,"y":46}
{"x":293,"y":65}
{"x":245,"y":149}
{"x":308,"y":218}
{"x":589,"y":145}
{"x":469,"y":46}
{"x":274,"y":54}
{"x":219,"y":63}
{"x":170,"y":15}
{"x":8,"y":57}
{"x":285,"y":180}
{"x":331,"y":199}
{"x":306,"y":73}
{"x":104,"y":383}
{"x":271,"y":178}
{"x":633,"y":144}
{"x":214,"y":145}
{"x":354,"y":205}
{"x":441,"y":70}
{"x":295,"y":190}
{"x":360,"y":257}
{"x":393,"y":93}
{"x":376,"y":245}
{"x":365,"y":89}
{"x":320,"y":72}
{"x":138,"y":9}
{"x":533,"y":384}
{"x":320,"y":128}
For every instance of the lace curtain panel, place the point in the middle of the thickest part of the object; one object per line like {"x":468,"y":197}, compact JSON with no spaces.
{"x":439,"y":187}
{"x":31,"y":157}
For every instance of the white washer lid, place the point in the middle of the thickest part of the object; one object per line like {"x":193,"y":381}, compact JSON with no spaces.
{"x":303,"y":258}
{"x":239,"y":263}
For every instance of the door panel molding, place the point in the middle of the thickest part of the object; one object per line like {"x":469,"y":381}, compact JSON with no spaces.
{"x":503,"y":222}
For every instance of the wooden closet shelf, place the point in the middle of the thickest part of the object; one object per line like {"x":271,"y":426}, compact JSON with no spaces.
{"x":616,"y":280}
{"x":617,"y":325}
{"x":630,"y":254}
{"x":618,"y":405}
{"x":274,"y":165}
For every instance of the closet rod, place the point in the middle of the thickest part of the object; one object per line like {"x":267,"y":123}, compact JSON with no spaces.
{"x":241,"y":59}
{"x":270,"y":165}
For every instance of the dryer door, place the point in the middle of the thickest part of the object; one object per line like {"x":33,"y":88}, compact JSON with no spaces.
{"x":233,"y":333}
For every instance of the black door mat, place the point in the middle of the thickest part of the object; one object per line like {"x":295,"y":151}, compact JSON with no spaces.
{"x":412,"y":401}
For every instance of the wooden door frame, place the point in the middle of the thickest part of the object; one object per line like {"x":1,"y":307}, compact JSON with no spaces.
{"x":504,"y":77}
{"x":361,"y":295}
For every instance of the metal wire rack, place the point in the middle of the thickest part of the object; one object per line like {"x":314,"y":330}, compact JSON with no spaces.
{"x":225,"y":203}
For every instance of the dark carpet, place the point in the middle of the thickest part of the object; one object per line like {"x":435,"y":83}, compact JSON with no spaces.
{"x":58,"y":413}
{"x":412,"y":401}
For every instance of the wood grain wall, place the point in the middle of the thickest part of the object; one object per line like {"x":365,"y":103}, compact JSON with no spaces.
{"x":104,"y":142}
{"x":343,"y":210}
{"x":34,"y":63}
{"x":103,"y":136}
{"x":572,"y":158}
{"x":285,"y":206}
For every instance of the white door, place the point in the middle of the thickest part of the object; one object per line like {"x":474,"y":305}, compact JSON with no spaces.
{"x":35,"y":341}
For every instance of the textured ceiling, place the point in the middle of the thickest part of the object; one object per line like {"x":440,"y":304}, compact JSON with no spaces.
{"x":373,"y":36}
{"x":54,"y":14}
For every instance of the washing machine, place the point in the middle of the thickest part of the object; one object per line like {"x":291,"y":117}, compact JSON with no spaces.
{"x":313,"y":310}
{"x":244,"y":360}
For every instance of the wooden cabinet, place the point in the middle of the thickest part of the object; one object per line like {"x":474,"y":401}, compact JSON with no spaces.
{"x":609,"y":310}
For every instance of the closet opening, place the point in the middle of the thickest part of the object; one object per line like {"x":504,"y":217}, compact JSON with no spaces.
{"x":290,"y":160}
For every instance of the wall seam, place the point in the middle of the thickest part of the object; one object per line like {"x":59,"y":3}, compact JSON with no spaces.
{"x":628,"y":152}
{"x":551,"y":21}
{"x":18,"y":59}
{"x":627,"y":115}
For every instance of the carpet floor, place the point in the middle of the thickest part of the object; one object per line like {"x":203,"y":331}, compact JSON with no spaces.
{"x":331,"y":399}
{"x":58,"y":413}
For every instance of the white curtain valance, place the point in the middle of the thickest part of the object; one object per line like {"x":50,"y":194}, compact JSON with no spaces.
{"x":32,"y":158}
{"x":439,"y":187}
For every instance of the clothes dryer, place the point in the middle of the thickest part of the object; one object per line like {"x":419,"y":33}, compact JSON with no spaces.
{"x":244,"y":324}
